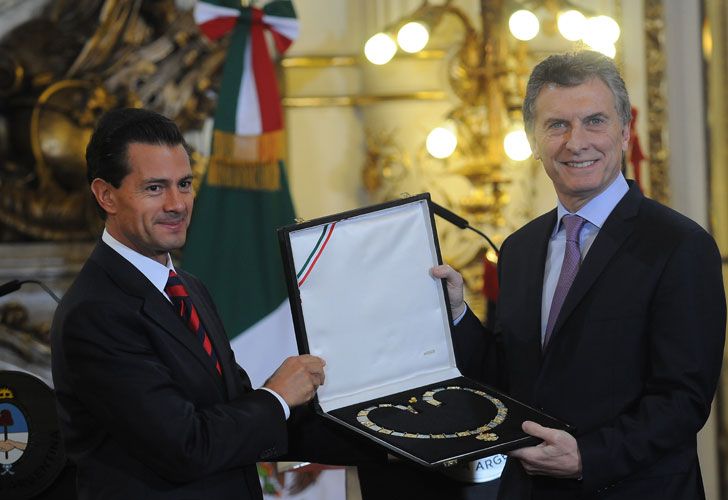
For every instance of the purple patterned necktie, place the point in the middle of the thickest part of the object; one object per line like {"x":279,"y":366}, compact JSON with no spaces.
{"x":569,"y":268}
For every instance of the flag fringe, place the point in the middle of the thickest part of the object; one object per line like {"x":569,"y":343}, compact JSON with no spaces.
{"x":248,"y":162}
{"x":236,"y":174}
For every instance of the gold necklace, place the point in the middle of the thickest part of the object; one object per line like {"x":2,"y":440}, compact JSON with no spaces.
{"x":429,"y":397}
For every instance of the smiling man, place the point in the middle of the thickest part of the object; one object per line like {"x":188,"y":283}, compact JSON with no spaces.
{"x":579,"y":135}
{"x":150,"y":400}
{"x":611,"y":313}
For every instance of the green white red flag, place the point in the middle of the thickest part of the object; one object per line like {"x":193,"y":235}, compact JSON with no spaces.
{"x":248,"y":139}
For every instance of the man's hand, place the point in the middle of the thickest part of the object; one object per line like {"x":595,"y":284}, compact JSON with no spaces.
{"x":297,"y":379}
{"x":557,"y":456}
{"x":454,"y":287}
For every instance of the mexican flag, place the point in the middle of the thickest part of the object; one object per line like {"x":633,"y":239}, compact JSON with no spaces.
{"x":232,"y":244}
{"x":233,"y":248}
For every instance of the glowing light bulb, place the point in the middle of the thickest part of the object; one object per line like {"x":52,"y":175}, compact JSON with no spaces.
{"x":412,"y":37}
{"x":380,"y":49}
{"x":523,"y":25}
{"x":516,"y":145}
{"x":441,"y":142}
{"x":571,"y":25}
{"x":601,"y":31}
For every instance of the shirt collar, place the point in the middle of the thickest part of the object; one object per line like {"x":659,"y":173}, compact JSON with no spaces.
{"x":598,"y":208}
{"x":153,"y":270}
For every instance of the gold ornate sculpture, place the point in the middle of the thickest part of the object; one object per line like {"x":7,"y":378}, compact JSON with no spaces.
{"x":59,"y":72}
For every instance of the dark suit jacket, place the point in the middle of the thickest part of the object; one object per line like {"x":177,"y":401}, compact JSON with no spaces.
{"x":634,"y":358}
{"x":143,"y":412}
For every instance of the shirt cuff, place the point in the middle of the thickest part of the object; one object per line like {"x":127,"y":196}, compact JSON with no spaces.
{"x":286,"y":409}
{"x":460,"y":316}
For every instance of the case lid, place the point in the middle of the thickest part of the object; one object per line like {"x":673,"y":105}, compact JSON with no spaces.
{"x":364,"y":300}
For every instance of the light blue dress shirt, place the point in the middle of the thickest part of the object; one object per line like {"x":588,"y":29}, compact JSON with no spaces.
{"x":595,"y":212}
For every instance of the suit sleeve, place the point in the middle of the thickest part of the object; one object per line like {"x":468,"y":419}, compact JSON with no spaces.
{"x":119,"y":377}
{"x":685,"y":335}
{"x":478,"y":352}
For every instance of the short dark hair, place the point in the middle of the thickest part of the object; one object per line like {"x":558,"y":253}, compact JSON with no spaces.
{"x":572,"y":69}
{"x":107,"y":151}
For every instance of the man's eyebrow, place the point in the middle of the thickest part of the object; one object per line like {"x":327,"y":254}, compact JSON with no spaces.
{"x":156,"y":180}
{"x":163,"y":180}
{"x":549,"y":121}
{"x":598,"y":114}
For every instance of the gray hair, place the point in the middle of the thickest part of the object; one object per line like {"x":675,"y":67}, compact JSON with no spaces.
{"x":572,"y":69}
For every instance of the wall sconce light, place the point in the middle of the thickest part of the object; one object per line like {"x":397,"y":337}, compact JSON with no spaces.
{"x":599,"y":33}
{"x":524,"y":25}
{"x":380,"y":49}
{"x":413,"y":36}
{"x":516,"y":145}
{"x":442,"y":141}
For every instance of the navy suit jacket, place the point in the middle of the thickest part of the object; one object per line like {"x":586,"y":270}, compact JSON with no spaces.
{"x":634,"y":358}
{"x":143,"y":412}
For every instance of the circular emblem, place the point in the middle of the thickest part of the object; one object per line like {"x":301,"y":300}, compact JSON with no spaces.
{"x":31,"y":451}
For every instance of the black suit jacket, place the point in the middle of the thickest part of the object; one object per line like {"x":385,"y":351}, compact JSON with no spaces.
{"x":143,"y":412}
{"x":634,"y":358}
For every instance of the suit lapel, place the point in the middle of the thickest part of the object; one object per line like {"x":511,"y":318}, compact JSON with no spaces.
{"x":154,"y":305}
{"x":522,"y":272}
{"x":618,"y":226}
{"x":540,"y":241}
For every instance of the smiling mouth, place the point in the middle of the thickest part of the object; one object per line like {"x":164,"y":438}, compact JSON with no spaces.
{"x":579,"y":164}
{"x":172,"y":223}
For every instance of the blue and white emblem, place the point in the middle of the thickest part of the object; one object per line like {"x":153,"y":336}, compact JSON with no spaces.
{"x":13,"y":432}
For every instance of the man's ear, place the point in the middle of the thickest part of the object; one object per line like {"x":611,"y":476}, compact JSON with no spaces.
{"x":532,"y":144}
{"x":104,"y":194}
{"x":625,"y":137}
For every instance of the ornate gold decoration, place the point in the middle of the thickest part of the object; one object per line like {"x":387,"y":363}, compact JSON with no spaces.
{"x":657,"y":109}
{"x":428,"y":397}
{"x":59,"y":72}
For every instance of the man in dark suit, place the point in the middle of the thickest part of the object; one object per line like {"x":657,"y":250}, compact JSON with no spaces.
{"x":151,"y":402}
{"x":611,"y":313}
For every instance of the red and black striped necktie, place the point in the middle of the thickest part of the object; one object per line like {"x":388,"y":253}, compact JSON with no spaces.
{"x":186,"y":309}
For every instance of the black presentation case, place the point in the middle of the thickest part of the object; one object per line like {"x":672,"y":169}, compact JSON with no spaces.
{"x":362,"y":297}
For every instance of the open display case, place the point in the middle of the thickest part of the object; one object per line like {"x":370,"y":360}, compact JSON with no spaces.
{"x":363,"y":299}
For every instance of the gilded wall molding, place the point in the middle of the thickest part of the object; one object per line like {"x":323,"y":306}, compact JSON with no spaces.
{"x":657,"y":100}
{"x":323,"y":63}
{"x":361,"y":100}
{"x":715,"y":51}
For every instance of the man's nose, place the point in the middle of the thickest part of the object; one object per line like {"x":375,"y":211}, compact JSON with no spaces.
{"x":576,"y":139}
{"x":174,"y":201}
